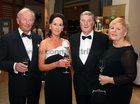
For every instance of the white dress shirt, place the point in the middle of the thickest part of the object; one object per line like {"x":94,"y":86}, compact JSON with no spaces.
{"x":85,"y":46}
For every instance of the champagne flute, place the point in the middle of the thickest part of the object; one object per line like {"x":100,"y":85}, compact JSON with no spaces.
{"x":25,"y":61}
{"x":101,"y":65}
{"x":66,"y":46}
{"x":66,"y":57}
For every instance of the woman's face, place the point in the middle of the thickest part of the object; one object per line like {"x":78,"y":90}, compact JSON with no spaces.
{"x":57,"y":26}
{"x":117,"y":32}
{"x":25,"y":21}
{"x":86,"y":24}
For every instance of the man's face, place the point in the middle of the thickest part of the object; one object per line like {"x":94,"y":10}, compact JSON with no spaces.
{"x":86,"y":24}
{"x":25,"y":21}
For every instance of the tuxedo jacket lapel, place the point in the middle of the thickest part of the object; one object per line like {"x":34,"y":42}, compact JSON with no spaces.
{"x":20,"y":45}
{"x":91,"y":52}
{"x":35,"y":48}
{"x":94,"y":51}
{"x":77,"y":45}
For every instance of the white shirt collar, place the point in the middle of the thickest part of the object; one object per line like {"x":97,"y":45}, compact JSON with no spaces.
{"x":20,"y":31}
{"x":90,"y":34}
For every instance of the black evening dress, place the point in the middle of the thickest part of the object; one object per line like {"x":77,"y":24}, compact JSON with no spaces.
{"x":58,"y":85}
{"x":120,"y":63}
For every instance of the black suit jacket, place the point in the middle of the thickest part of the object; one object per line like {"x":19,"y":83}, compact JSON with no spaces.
{"x":13,"y":50}
{"x":86,"y":75}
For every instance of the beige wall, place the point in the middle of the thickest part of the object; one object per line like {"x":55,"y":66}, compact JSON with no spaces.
{"x":134,"y":20}
{"x":133,"y":17}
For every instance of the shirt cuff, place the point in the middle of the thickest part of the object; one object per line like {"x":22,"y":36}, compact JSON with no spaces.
{"x":16,"y":72}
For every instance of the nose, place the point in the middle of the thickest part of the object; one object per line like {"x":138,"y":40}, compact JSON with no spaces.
{"x":85,"y":23}
{"x":27,"y":22}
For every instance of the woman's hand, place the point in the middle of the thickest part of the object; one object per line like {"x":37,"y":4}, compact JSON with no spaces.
{"x":105,"y":79}
{"x":64,"y":63}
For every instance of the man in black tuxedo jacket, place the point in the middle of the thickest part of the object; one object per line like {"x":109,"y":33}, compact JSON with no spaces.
{"x":86,"y":50}
{"x":24,"y":79}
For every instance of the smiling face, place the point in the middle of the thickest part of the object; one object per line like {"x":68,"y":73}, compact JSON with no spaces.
{"x":25,"y":21}
{"x":117,"y":30}
{"x":86,"y":24}
{"x":56,"y":26}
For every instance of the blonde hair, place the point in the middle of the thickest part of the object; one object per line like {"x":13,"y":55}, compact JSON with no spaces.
{"x":120,"y":20}
{"x":123,"y":22}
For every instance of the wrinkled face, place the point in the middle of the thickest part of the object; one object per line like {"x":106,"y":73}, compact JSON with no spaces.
{"x":117,"y":32}
{"x":25,"y":21}
{"x":86,"y":24}
{"x":57,"y":26}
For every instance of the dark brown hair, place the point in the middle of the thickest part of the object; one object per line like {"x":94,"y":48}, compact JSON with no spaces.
{"x":53,"y":16}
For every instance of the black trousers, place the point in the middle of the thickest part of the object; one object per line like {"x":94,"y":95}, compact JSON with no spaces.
{"x":88,"y":99}
{"x":23,"y":99}
{"x":83,"y":99}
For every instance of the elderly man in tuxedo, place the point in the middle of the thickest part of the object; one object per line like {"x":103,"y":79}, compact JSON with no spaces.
{"x":19,"y":57}
{"x":86,"y":50}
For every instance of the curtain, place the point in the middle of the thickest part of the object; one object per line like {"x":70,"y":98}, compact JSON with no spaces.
{"x":58,"y":6}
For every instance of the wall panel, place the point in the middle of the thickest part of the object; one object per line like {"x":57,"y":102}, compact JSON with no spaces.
{"x":9,"y":9}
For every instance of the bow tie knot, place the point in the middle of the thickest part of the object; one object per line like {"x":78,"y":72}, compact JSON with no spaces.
{"x":25,"y":35}
{"x":88,"y":37}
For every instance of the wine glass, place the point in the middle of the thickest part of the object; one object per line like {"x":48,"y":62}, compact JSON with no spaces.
{"x":66,"y":47}
{"x":25,"y":61}
{"x":101,"y":65}
{"x":66,"y":57}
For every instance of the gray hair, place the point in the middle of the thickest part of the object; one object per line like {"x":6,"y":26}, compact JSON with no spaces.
{"x":24,"y":10}
{"x":87,"y":13}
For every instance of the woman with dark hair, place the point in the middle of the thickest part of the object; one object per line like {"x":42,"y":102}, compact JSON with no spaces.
{"x":52,"y":59}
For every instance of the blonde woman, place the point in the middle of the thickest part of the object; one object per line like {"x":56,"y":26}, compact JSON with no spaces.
{"x":120,"y":64}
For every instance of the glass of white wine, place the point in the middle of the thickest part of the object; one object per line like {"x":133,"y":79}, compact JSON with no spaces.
{"x":101,"y":68}
{"x":66,"y":57}
{"x":66,"y":46}
{"x":101,"y":65}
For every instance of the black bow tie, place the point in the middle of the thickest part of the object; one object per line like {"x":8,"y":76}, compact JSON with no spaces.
{"x":25,"y":35}
{"x":88,"y":37}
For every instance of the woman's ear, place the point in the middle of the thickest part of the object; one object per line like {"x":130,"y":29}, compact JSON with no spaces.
{"x":50,"y":26}
{"x":125,"y":34}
